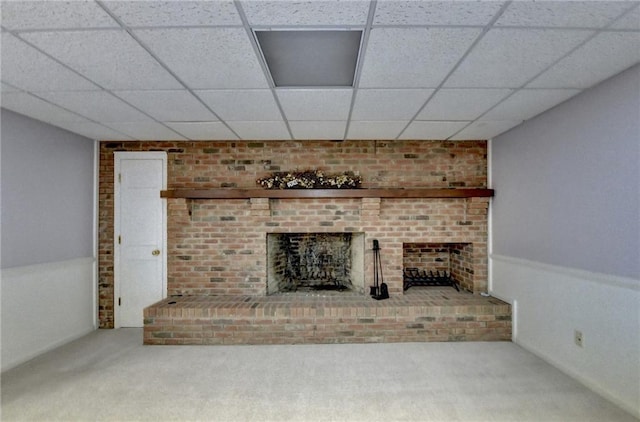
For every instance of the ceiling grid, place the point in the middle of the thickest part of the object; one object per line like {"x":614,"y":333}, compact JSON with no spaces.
{"x":263,"y":65}
{"x":477,"y":40}
{"x":122,"y":70}
{"x":361,"y":57}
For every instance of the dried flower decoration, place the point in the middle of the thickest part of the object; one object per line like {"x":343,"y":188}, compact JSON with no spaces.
{"x":310,"y":179}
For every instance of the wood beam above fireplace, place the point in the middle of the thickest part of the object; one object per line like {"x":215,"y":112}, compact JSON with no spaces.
{"x":326,"y":193}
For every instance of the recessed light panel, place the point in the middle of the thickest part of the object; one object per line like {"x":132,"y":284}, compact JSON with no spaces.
{"x":310,"y":58}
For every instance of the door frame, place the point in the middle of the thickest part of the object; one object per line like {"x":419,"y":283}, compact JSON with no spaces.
{"x":117,"y":283}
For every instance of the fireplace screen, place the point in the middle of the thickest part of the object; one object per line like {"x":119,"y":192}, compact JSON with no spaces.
{"x":309,"y":262}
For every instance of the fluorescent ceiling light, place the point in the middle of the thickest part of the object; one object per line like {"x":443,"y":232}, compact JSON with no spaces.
{"x":310,"y":58}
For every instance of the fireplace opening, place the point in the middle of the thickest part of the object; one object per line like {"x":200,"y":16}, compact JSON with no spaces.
{"x":437,"y":264}
{"x":315,"y":262}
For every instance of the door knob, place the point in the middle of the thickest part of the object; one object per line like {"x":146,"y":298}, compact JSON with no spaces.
{"x":156,"y":252}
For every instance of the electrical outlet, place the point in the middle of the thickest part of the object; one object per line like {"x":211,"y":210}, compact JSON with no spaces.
{"x":577,"y":338}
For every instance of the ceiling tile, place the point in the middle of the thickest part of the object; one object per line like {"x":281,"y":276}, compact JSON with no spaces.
{"x":316,"y":13}
{"x":603,"y":56}
{"x":168,"y":105}
{"x":375,"y":129}
{"x":95,"y":105}
{"x":527,"y":103}
{"x":393,"y":12}
{"x":202,"y":131}
{"x":94,"y":131}
{"x":27,"y":68}
{"x":484,"y":130}
{"x":432,"y":130}
{"x":629,"y":21}
{"x":575,"y":14}
{"x":208,"y":58}
{"x":175,"y":13}
{"x":27,"y":104}
{"x":461,"y":104}
{"x":315,"y":104}
{"x":146,"y":131}
{"x":318,"y":130}
{"x":19,"y":15}
{"x":112,"y":59}
{"x":242,"y":104}
{"x":260,"y":130}
{"x":391,"y":104}
{"x":413,"y":57}
{"x":508,"y":58}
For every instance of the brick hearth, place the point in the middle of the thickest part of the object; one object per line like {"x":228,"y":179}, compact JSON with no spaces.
{"x":421,"y":314}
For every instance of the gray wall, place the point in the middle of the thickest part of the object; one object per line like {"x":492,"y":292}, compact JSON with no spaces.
{"x":566,"y":232}
{"x":47,"y":192}
{"x":48,"y":259}
{"x":568,"y":183}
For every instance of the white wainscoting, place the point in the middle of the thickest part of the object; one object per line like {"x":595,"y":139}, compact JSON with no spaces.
{"x":45,"y":306}
{"x":553,"y":302}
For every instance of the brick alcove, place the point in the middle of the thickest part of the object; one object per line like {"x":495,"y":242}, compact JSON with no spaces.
{"x":456,"y":259}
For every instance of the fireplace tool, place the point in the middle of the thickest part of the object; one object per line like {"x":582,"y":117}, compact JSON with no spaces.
{"x":379,"y":290}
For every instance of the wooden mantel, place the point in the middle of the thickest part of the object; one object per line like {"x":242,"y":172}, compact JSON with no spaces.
{"x":325,"y":193}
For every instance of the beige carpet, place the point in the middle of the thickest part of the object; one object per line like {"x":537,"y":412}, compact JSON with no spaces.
{"x":109,"y":375}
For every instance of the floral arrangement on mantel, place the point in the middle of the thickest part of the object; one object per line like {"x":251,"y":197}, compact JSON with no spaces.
{"x":310,"y":179}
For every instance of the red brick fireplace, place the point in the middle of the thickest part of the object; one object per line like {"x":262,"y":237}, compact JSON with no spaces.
{"x":218,"y":247}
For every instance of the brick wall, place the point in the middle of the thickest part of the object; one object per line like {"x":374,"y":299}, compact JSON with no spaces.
{"x":219,"y":247}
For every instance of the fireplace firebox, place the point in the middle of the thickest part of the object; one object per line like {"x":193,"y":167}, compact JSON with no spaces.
{"x":315,"y":262}
{"x":437,"y":264}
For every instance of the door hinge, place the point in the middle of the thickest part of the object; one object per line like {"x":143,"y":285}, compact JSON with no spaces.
{"x":119,"y":240}
{"x":119,"y":301}
{"x":119,"y":177}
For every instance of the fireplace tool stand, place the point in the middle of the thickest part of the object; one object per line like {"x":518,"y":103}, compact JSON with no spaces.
{"x":379,"y":290}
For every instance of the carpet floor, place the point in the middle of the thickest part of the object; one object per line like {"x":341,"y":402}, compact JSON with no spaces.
{"x":109,"y":375}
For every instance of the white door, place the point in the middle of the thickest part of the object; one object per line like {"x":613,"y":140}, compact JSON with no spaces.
{"x":140,"y":227}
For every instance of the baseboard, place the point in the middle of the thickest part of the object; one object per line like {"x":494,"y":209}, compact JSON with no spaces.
{"x":550,"y":303}
{"x":45,"y":306}
{"x":29,"y":357}
{"x":595,"y":387}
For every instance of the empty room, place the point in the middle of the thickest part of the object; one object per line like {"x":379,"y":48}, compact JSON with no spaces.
{"x":347,"y":210}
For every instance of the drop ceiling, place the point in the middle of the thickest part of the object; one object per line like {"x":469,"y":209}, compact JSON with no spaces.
{"x":193,"y":70}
